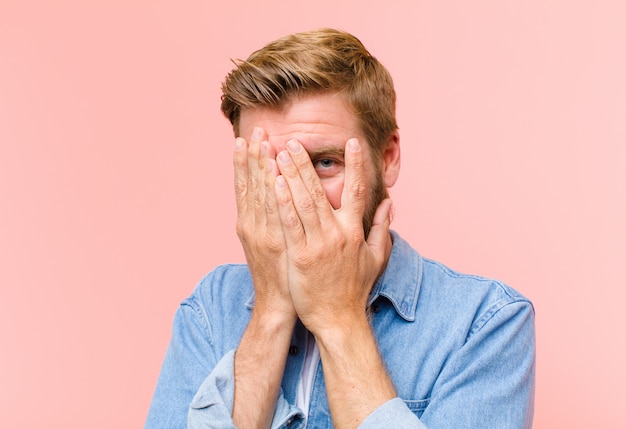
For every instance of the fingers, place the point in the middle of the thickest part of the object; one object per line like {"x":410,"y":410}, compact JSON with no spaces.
{"x":256,"y":180}
{"x":271,"y":205}
{"x":310,"y":179}
{"x":255,"y":173}
{"x":240,"y":162}
{"x":354,"y":193}
{"x":378,"y":239}
{"x":292,"y":226}
{"x":303,"y":194}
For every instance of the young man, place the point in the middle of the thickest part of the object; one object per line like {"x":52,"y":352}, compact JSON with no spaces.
{"x":335,"y":321}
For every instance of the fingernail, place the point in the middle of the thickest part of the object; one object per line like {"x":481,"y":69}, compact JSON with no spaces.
{"x":284,"y":158}
{"x":280,"y":182}
{"x":257,"y":133}
{"x":294,"y":146}
{"x":263,"y":148}
{"x":239,"y":142}
{"x":354,"y":145}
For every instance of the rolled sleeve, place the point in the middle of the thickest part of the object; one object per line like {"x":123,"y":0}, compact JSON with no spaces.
{"x":396,"y":411}
{"x":213,"y":403}
{"x":212,"y":406}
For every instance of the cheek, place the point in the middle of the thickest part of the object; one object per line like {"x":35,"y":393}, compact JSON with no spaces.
{"x":333,"y":188}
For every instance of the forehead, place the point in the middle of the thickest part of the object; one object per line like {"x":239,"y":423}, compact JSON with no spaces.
{"x":315,"y":120}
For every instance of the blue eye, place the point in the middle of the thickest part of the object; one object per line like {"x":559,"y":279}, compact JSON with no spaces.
{"x":325,"y":163}
{"x":328,"y":167}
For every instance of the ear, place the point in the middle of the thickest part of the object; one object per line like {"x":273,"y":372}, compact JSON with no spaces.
{"x":391,"y":159}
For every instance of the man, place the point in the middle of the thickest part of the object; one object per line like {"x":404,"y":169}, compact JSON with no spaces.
{"x":335,"y":321}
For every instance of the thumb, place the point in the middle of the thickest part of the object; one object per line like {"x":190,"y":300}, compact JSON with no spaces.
{"x":378,"y":239}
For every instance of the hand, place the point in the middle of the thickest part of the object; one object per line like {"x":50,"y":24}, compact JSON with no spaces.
{"x":259,"y":225}
{"x":261,"y":355}
{"x":331,"y":267}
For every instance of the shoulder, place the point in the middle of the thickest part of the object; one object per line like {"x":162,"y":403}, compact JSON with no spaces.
{"x":474,"y":298}
{"x":455,"y":283}
{"x":220,"y":306}
{"x":227,"y":288}
{"x":226,"y":281}
{"x":448,"y":296}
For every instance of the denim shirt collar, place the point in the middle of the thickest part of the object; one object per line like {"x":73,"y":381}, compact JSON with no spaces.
{"x":399,"y":283}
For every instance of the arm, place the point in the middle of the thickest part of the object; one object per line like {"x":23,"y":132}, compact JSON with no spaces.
{"x":331,"y":272}
{"x":261,"y":356}
{"x":259,"y":365}
{"x":188,"y":360}
{"x":356,"y":380}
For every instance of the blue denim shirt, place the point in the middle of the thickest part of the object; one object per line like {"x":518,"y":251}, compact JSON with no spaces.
{"x":460,"y":350}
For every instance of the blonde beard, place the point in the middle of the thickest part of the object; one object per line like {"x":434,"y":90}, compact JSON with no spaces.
{"x":376,"y":196}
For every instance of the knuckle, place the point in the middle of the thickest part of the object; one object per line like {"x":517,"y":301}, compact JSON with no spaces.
{"x":307,"y":204}
{"x":283,"y":199}
{"x":292,"y":220}
{"x":358,"y":189}
{"x":239,"y":162}
{"x":318,"y":193}
{"x":270,"y":206}
{"x":304,"y":261}
{"x":337,"y":239}
{"x":240,"y":188}
{"x":302,"y":161}
{"x":253,"y":183}
{"x":259,"y":199}
{"x":275,"y":247}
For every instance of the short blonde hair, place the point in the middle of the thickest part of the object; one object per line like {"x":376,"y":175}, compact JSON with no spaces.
{"x":324,"y":60}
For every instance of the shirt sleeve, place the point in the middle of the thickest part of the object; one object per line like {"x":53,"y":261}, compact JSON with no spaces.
{"x":188,"y":360}
{"x":212,"y":406}
{"x":393,"y":413}
{"x":488,"y":383}
{"x":196,"y":387}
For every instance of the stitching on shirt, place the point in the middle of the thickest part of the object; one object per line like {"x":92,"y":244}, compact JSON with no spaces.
{"x":452,"y":273}
{"x":510,"y":296}
{"x":192,"y":302}
{"x":417,"y":405}
{"x":492,"y":311}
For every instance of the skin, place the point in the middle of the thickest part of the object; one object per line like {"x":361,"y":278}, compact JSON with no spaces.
{"x":304,"y":179}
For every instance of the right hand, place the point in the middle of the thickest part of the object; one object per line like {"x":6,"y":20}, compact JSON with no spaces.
{"x":259,"y":226}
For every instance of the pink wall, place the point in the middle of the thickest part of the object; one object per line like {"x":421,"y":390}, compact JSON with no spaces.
{"x":115,"y":181}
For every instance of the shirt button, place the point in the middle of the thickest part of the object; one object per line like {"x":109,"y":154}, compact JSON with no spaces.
{"x":293,"y":350}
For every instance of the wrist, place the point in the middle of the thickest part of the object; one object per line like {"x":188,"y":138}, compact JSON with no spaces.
{"x":273,"y":319}
{"x":339,"y":332}
{"x":356,"y":379}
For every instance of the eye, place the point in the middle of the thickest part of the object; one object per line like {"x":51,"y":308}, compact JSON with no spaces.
{"x":327,"y":167}
{"x":324,"y":163}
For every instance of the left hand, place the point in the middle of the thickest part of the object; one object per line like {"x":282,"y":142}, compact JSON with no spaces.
{"x":331,"y":268}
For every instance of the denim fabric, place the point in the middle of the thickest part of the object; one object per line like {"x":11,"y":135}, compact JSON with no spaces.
{"x":460,"y":350}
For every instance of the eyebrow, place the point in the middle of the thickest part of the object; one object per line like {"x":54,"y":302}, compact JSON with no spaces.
{"x":325,"y":151}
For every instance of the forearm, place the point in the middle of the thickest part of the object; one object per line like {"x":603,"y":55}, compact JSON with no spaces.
{"x":356,"y":380}
{"x":259,"y":365}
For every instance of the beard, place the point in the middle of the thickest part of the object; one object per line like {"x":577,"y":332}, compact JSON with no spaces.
{"x":376,"y":196}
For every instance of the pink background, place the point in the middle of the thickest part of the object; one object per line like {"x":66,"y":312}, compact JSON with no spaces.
{"x":115,"y":181}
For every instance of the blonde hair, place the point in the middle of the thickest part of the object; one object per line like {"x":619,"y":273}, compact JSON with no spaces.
{"x":318,"y":61}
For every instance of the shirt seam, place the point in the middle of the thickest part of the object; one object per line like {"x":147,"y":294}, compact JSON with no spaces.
{"x":200,"y":315}
{"x":494,"y":310}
